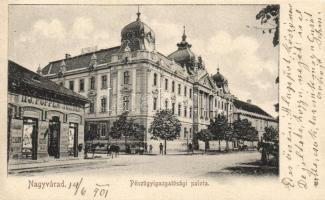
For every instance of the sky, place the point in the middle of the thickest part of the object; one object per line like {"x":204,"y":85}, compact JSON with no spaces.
{"x":39,"y":34}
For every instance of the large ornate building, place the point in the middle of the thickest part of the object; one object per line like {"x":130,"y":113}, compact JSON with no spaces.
{"x":135,"y":77}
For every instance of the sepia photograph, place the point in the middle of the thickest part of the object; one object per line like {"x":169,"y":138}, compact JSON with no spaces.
{"x":184,"y":90}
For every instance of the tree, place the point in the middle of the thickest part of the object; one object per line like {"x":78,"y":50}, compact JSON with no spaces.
{"x":218,"y":127}
{"x":138,"y":133}
{"x":241,"y":128}
{"x":228,"y":136}
{"x":205,"y":135}
{"x":269,"y":16}
{"x":165,"y":126}
{"x":122,"y":127}
{"x":252,"y":135}
{"x":270,"y":144}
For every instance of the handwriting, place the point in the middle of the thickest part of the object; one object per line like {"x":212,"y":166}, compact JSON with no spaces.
{"x":301,"y":94}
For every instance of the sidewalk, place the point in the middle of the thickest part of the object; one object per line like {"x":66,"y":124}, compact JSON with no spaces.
{"x":36,"y":164}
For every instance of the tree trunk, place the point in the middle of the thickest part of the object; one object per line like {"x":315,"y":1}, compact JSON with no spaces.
{"x":165,"y":146}
{"x":125,"y":143}
{"x":219,"y":146}
{"x":206,"y":146}
{"x":227,"y":145}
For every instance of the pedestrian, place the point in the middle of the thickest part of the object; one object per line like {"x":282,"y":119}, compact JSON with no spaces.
{"x":190,"y":147}
{"x":161,"y":146}
{"x":145,"y":148}
{"x":150,"y":149}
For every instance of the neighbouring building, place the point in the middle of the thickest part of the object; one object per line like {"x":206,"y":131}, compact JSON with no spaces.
{"x":137,"y":78}
{"x":257,"y":116}
{"x":45,"y":120}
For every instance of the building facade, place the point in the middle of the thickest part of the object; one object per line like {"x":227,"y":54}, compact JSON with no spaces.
{"x":258,"y":117}
{"x":45,"y":120}
{"x":137,"y":78}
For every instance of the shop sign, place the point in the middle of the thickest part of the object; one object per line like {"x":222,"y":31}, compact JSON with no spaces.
{"x":47,"y":103}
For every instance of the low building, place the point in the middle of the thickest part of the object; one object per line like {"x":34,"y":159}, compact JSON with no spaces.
{"x":44,"y":119}
{"x":257,"y":116}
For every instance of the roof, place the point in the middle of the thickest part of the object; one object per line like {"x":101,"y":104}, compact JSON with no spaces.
{"x":80,"y":61}
{"x":20,"y":78}
{"x":250,"y":108}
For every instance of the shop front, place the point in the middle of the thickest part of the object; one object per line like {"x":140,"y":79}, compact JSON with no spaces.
{"x":43,"y":122}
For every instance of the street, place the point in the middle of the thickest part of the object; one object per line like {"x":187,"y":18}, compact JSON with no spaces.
{"x":191,"y":166}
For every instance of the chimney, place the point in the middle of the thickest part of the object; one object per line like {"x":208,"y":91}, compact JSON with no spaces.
{"x":249,"y":101}
{"x":67,"y":56}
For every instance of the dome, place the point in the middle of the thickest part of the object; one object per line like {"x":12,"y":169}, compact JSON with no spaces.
{"x":218,"y":78}
{"x":184,"y":55}
{"x":137,"y":36}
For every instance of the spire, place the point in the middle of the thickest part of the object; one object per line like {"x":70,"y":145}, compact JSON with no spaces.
{"x":184,"y":35}
{"x":218,"y":69}
{"x":183,"y":44}
{"x":138,"y":14}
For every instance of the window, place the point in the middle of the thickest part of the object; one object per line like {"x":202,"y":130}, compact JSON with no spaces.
{"x":166,"y":104}
{"x":190,"y":93}
{"x":126,"y":103}
{"x":185,"y":132}
{"x":155,"y":103}
{"x":104,"y":81}
{"x":222,"y":105}
{"x":185,"y":91}
{"x":92,"y":83}
{"x":173,"y":108}
{"x":166,"y":84}
{"x":104,"y":104}
{"x":190,"y":112}
{"x":190,"y":132}
{"x":126,"y":77}
{"x":91,"y":107}
{"x":71,"y":85}
{"x":179,"y":89}
{"x":154,"y":79}
{"x":81,"y":85}
{"x":102,"y":130}
{"x":185,"y":111}
{"x":179,"y":109}
{"x":173,"y":86}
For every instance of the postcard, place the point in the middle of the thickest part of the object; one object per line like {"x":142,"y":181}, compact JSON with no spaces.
{"x":162,"y":100}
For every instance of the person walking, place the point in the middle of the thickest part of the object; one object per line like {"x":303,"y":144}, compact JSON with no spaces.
{"x":150,"y":149}
{"x":161,"y":147}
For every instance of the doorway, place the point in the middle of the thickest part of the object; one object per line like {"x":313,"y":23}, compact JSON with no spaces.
{"x":54,"y":137}
{"x":73,"y":139}
{"x":30,"y":138}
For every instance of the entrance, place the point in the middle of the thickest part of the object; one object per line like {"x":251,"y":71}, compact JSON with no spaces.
{"x":54,"y":137}
{"x":73,"y":139}
{"x":30,"y":137}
